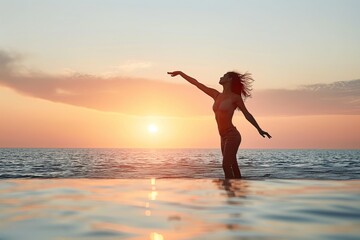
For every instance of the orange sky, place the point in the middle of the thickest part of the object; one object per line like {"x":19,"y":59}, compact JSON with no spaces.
{"x":77,"y":110}
{"x":30,"y":122}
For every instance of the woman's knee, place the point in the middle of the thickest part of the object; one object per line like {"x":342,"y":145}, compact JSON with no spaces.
{"x":229,"y":159}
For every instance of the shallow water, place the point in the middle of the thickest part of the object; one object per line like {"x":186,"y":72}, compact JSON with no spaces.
{"x":179,"y":209}
{"x":177,"y":194}
{"x":177,"y":163}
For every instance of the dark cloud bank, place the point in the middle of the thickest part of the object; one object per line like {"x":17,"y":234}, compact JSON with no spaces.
{"x":142,"y":96}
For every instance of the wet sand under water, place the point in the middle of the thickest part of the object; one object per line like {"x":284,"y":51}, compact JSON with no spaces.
{"x":161,"y":209}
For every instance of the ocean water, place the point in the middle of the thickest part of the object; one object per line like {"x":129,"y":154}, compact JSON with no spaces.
{"x":178,"y":194}
{"x":177,"y":163}
{"x":161,"y":209}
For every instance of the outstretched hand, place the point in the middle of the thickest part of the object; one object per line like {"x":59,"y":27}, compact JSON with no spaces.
{"x":175,"y":73}
{"x":263,"y":134}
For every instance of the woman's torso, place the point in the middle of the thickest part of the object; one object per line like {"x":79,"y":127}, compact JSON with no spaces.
{"x":224,"y":107}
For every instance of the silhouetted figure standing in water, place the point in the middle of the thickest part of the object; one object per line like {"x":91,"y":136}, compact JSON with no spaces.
{"x":236,"y":86}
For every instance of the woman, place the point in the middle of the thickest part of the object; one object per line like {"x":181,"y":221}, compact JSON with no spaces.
{"x":236,"y":86}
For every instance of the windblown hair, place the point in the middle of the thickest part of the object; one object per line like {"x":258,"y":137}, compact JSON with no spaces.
{"x":241,"y":83}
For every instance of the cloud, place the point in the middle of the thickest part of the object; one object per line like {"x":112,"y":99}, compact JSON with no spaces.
{"x":139,"y":96}
{"x":341,"y":97}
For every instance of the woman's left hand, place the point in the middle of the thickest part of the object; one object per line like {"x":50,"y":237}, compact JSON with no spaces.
{"x":263,"y":133}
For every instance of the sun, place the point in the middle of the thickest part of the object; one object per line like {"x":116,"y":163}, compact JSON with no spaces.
{"x":152,"y":128}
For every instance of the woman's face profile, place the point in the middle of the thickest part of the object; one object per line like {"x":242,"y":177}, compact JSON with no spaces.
{"x":224,"y":79}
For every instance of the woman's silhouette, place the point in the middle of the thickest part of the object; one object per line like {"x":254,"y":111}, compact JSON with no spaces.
{"x":236,"y":86}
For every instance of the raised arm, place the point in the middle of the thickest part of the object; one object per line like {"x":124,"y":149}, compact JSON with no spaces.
{"x":209,"y":91}
{"x":250,"y":117}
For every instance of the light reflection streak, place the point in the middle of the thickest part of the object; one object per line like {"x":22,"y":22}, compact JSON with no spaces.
{"x":153,"y":194}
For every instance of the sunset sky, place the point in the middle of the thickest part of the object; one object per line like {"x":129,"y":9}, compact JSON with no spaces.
{"x":92,"y":73}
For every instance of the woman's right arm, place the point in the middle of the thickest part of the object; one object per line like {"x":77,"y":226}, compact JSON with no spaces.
{"x":209,"y":91}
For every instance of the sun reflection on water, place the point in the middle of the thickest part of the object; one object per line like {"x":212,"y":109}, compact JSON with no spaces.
{"x":153,"y":194}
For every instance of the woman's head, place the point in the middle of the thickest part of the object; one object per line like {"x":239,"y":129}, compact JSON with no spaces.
{"x":240,"y":83}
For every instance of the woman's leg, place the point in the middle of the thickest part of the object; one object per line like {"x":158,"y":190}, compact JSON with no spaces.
{"x":236,"y":170}
{"x":230,"y":165}
{"x":227,"y":168}
{"x":226,"y":164}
